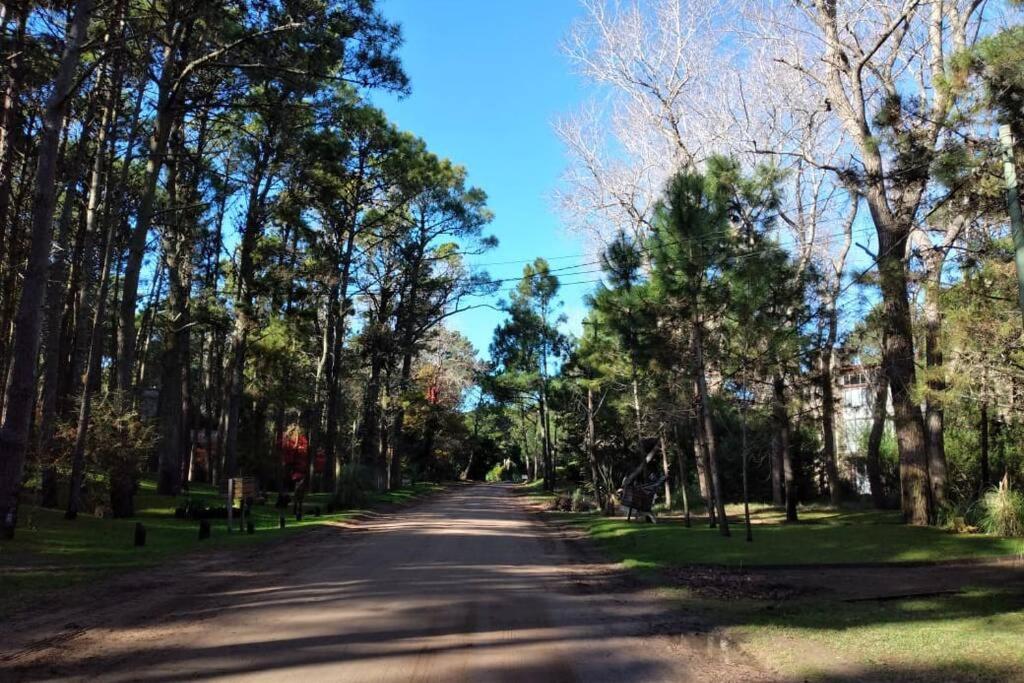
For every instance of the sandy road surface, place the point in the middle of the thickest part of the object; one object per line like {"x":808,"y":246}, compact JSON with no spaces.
{"x":466,"y":586}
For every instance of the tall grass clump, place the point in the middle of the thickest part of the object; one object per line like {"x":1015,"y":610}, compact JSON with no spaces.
{"x":1002,"y":511}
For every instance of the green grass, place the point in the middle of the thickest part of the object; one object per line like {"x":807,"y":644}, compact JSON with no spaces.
{"x":974,"y":636}
{"x":535,"y":493}
{"x":823,"y":537}
{"x":49,"y":552}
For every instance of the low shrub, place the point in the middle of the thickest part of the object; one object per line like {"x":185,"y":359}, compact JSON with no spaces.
{"x":501,"y":472}
{"x":957,"y":517}
{"x":1001,"y":511}
{"x":562,"y":503}
{"x":579,"y":502}
{"x":496,"y":473}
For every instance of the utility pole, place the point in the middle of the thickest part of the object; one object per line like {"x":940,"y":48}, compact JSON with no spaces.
{"x":1013,"y":206}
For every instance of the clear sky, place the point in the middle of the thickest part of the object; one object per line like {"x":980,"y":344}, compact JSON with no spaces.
{"x":488,"y":79}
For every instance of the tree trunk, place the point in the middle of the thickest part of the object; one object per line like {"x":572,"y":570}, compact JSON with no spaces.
{"x":599,"y":492}
{"x":173,"y":442}
{"x":700,"y":456}
{"x":370,"y":439}
{"x":244,"y":314}
{"x":57,"y":284}
{"x":28,"y":320}
{"x":879,"y":407}
{"x":162,"y":123}
{"x":780,"y":417}
{"x":665,"y":469}
{"x":549,"y":474}
{"x":91,"y":330}
{"x":777,"y":462}
{"x":934,"y":416}
{"x":337,"y":337}
{"x":681,"y":449}
{"x":898,"y":364}
{"x":8,"y":124}
{"x":707,"y":425}
{"x":746,"y":488}
{"x":986,"y":475}
{"x":828,"y":406}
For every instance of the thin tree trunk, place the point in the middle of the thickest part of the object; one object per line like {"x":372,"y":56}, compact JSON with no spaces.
{"x":707,"y":425}
{"x":746,"y":487}
{"x":665,"y":469}
{"x":986,"y":474}
{"x":700,"y":456}
{"x":599,"y":492}
{"x":244,"y":313}
{"x":879,"y":405}
{"x":8,"y":123}
{"x":162,"y":123}
{"x":780,"y":415}
{"x":828,"y":406}
{"x":683,"y":473}
{"x":174,"y":358}
{"x":58,"y":284}
{"x":934,"y":414}
{"x":28,"y":320}
{"x":549,"y":474}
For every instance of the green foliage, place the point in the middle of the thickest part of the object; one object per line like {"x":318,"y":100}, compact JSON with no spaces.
{"x":495,"y":474}
{"x":502,"y":472}
{"x":579,"y":501}
{"x":50,"y":552}
{"x":353,"y":486}
{"x":117,"y":446}
{"x":1002,"y":511}
{"x":823,"y":537}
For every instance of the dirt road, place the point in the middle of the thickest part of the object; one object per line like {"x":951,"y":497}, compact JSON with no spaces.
{"x":467,"y":586}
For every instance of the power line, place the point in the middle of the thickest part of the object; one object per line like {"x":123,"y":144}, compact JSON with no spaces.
{"x":827,"y":239}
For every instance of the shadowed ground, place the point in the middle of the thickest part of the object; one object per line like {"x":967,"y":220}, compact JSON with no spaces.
{"x":463,"y":587}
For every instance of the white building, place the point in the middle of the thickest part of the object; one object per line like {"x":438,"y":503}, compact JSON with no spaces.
{"x":853,"y":419}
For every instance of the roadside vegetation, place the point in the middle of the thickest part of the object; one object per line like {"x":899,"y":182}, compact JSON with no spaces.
{"x":54,"y":553}
{"x":804,"y":272}
{"x":822,"y":537}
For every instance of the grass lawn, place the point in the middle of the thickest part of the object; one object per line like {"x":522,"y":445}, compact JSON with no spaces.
{"x":974,"y":635}
{"x":822,"y":537}
{"x":50,"y":552}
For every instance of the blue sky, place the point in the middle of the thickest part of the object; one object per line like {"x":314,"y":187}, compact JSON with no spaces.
{"x":488,"y":79}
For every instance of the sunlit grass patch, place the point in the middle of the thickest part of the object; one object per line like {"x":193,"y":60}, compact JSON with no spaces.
{"x":825,"y":538}
{"x":50,"y":552}
{"x":975,"y":635}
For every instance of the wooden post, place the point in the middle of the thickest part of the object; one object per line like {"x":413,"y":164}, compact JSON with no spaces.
{"x":231,"y":502}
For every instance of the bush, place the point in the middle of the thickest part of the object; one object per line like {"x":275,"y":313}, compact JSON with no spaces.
{"x":956,"y":517}
{"x":496,"y":473}
{"x":562,"y":503}
{"x":579,"y":502}
{"x":116,"y":447}
{"x":352,"y":487}
{"x":501,"y":472}
{"x":1002,"y":511}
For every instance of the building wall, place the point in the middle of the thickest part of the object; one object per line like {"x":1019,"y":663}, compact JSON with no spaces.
{"x":853,"y":420}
